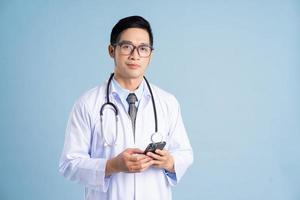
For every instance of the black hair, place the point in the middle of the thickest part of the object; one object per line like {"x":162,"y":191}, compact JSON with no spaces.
{"x":130,"y":22}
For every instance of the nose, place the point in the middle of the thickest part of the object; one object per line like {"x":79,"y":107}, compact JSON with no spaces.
{"x":134,"y":54}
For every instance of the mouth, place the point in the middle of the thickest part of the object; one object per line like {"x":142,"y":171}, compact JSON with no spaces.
{"x":133,"y":65}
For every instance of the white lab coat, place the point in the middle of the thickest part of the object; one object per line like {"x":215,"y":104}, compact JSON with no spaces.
{"x":85,"y":151}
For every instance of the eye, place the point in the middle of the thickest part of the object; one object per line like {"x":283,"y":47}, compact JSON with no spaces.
{"x":144,"y":48}
{"x":126,"y":46}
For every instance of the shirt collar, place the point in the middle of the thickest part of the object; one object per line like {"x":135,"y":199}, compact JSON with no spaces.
{"x":121,"y":93}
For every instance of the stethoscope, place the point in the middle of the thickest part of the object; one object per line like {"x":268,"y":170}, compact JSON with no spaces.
{"x":155,"y":137}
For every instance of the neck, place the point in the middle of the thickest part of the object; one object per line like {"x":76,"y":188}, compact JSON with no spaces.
{"x":129,"y":84}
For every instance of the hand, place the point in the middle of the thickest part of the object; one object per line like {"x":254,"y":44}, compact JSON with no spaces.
{"x":162,"y":159}
{"x":130,"y":160}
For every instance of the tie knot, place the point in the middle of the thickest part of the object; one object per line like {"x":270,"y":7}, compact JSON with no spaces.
{"x":131,"y":98}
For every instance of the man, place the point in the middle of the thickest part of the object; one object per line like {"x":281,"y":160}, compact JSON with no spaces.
{"x":106,"y":135}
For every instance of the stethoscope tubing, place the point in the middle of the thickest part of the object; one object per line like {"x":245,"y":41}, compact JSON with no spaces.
{"x":115,"y":108}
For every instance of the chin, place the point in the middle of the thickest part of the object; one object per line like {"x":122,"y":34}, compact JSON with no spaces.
{"x":130,"y":73}
{"x":134,"y":74}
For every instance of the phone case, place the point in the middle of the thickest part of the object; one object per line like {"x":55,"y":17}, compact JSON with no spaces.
{"x":153,"y":146}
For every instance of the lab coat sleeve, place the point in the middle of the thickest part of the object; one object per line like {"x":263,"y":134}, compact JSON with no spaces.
{"x":76,"y":163}
{"x":179,"y":146}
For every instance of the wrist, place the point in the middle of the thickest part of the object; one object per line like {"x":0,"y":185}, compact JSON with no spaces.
{"x":110,"y":167}
{"x":170,"y":167}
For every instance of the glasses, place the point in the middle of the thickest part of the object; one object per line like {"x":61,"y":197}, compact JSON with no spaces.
{"x":127,"y":48}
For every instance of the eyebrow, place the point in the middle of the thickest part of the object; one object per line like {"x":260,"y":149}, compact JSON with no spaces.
{"x":129,"y":42}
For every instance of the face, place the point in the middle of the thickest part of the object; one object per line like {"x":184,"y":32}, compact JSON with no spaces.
{"x":131,"y":66}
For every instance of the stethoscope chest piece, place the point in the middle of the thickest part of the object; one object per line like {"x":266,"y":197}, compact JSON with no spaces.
{"x":156,"y":137}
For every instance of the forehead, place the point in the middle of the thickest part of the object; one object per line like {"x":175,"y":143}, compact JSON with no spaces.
{"x":135,"y":35}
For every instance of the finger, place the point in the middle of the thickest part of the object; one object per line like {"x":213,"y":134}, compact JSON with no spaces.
{"x":140,"y":162}
{"x":137,"y":157}
{"x":146,"y":165}
{"x":157,"y":165}
{"x":157,"y":162}
{"x":140,"y":166}
{"x":161,"y":152}
{"x":143,"y":165}
{"x":154,"y":156}
{"x":146,"y":159}
{"x":134,"y":151}
{"x":133,"y":167}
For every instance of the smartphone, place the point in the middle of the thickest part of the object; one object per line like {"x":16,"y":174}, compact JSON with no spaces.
{"x":153,"y":146}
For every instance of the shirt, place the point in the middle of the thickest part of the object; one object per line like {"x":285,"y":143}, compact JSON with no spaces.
{"x":121,"y":93}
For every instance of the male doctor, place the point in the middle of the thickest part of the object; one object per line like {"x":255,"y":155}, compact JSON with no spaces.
{"x":107,"y":156}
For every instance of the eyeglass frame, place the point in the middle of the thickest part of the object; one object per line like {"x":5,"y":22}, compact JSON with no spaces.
{"x":134,"y":47}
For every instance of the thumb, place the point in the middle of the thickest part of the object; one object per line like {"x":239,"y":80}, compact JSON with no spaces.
{"x":134,"y":150}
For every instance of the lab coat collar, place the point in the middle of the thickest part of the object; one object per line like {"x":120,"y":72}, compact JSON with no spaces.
{"x":120,"y":94}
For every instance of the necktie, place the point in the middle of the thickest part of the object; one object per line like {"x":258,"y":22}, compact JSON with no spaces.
{"x":131,"y":99}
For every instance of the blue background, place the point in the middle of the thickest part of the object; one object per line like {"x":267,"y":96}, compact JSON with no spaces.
{"x":233,"y":65}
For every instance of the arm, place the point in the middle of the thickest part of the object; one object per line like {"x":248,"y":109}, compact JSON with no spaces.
{"x":179,"y":147}
{"x":129,"y":161}
{"x":76,"y":163}
{"x":179,"y":155}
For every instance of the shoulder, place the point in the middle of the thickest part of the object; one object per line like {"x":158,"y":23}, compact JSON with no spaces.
{"x":164,"y":97}
{"x":92,"y":97}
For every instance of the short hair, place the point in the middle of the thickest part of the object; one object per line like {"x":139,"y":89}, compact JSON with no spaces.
{"x":130,"y":22}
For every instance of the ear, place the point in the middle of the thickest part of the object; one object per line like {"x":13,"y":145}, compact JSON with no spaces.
{"x":150,"y":57}
{"x":111,"y":51}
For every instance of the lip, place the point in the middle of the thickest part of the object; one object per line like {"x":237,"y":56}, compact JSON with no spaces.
{"x":133,"y":65}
